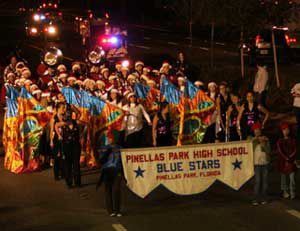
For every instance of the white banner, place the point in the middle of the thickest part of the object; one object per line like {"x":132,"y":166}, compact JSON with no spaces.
{"x":188,"y":169}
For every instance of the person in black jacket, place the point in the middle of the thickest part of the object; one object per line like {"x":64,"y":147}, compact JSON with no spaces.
{"x":111,"y":175}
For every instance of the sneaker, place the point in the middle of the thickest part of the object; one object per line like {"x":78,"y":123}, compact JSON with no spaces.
{"x":285,"y":195}
{"x":255,"y":203}
{"x":119,"y":215}
{"x":112,"y":215}
{"x":293,"y":197}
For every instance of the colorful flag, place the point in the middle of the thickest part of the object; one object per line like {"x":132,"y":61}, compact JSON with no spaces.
{"x":12,"y":160}
{"x":31,"y":119}
{"x":194,"y":111}
{"x":149,"y":97}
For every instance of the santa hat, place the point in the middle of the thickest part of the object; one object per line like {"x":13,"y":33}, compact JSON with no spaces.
{"x":112,"y":77}
{"x":137,"y":63}
{"x":20,"y":65}
{"x":85,"y":82}
{"x":166,"y":64}
{"x":114,"y":91}
{"x":17,"y":82}
{"x":130,"y":94}
{"x":284,"y":126}
{"x":104,"y":70}
{"x":78,"y":82}
{"x":10,"y":74}
{"x":76,"y":66}
{"x":38,"y":91}
{"x":71,"y":78}
{"x":61,"y":68}
{"x":33,"y":87}
{"x":118,"y":64}
{"x":147,"y":69}
{"x":28,"y":81}
{"x":62,"y":75}
{"x":91,"y":81}
{"x":256,"y":126}
{"x":212,"y":84}
{"x":181,"y":78}
{"x":100,"y":82}
{"x":46,"y":94}
{"x":26,"y":71}
{"x":131,"y":77}
{"x":124,"y":69}
{"x":199,"y":83}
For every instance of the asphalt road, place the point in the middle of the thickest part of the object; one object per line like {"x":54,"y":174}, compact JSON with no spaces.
{"x":35,"y":201}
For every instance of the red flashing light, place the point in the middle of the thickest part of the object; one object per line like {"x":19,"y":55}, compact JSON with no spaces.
{"x":290,"y":40}
{"x":91,"y":15}
{"x":55,"y":5}
{"x":257,"y":40}
{"x":60,"y":13}
{"x":104,"y":40}
{"x":44,"y":5}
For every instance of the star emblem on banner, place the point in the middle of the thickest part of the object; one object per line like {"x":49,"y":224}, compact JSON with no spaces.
{"x":139,"y":172}
{"x":237,"y":164}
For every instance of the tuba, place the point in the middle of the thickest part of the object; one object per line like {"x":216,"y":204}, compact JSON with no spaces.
{"x":96,"y":56}
{"x":52,"y":56}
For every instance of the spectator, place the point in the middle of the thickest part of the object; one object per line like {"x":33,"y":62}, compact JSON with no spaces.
{"x":261,"y":85}
{"x":261,"y":151}
{"x":286,"y":150}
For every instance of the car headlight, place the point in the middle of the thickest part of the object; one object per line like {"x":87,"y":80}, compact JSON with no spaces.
{"x":51,"y":30}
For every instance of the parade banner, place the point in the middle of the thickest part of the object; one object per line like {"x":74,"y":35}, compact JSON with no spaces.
{"x":188,"y":170}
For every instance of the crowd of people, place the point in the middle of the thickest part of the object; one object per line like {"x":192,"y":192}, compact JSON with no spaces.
{"x":235,"y":117}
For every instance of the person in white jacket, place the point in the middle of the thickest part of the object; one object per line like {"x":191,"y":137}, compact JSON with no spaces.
{"x":134,"y":123}
{"x":261,"y":84}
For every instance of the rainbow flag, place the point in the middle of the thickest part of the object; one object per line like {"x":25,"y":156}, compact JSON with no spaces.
{"x":30,"y":121}
{"x":12,"y":160}
{"x":149,"y":97}
{"x":194,"y":111}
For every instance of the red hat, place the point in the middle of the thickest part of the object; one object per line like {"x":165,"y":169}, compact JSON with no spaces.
{"x":284,"y":126}
{"x":256,"y":126}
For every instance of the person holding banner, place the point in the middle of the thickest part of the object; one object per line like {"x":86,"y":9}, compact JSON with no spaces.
{"x":261,"y":151}
{"x":161,"y":127}
{"x":134,"y":122}
{"x":111,"y":176}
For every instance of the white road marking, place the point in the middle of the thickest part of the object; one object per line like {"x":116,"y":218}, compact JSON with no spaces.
{"x":172,"y":43}
{"x":294,"y":213}
{"x":203,"y":48}
{"x":119,"y":227}
{"x":139,"y":46}
{"x":221,"y":44}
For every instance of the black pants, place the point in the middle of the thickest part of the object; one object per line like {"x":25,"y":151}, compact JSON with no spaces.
{"x":112,"y":183}
{"x":58,"y":168}
{"x":261,"y":98}
{"x":210,"y":134}
{"x":72,"y":164}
